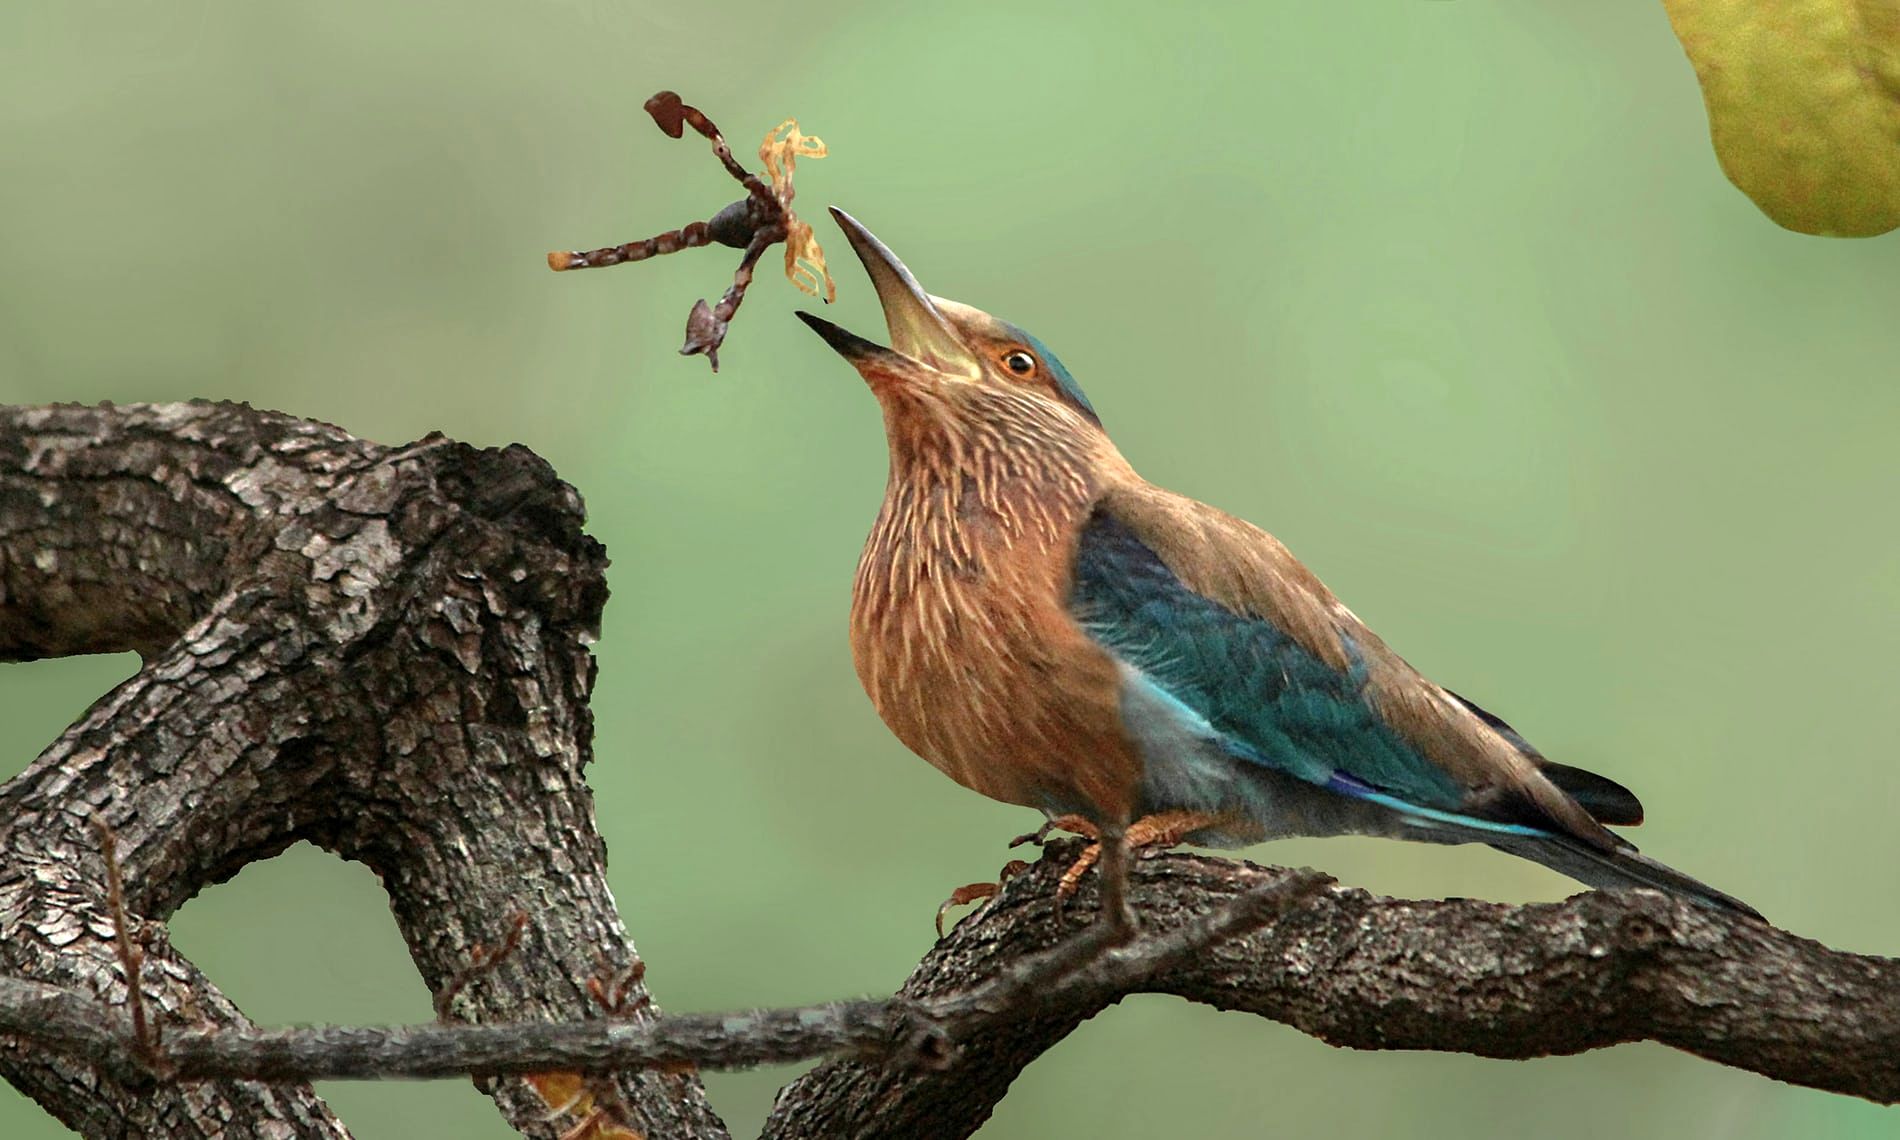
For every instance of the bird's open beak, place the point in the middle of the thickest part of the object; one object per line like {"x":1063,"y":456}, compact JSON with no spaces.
{"x":920,"y":335}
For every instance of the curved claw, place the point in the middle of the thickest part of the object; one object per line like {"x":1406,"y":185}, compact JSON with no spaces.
{"x":968,"y":893}
{"x":979,"y":892}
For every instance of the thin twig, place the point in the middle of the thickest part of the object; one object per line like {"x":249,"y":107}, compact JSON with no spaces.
{"x":611,"y":988}
{"x":925,"y":1032}
{"x":145,"y":1041}
{"x":671,"y":114}
{"x":706,"y":326}
{"x":755,"y":223}
{"x":1253,"y":909}
{"x":1103,"y":956}
{"x":1646,"y":967}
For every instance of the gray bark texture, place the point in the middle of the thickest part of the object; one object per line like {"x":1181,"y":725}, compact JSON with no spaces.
{"x":384,"y":651}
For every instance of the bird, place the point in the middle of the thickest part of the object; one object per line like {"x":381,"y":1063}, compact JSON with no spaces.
{"x":1051,"y":630}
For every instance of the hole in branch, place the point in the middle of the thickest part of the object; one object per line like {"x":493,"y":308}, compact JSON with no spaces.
{"x":308,"y":938}
{"x":41,"y":699}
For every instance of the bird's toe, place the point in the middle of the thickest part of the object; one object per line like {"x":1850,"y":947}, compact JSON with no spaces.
{"x":978,"y":892}
{"x":1072,"y":878}
{"x":1074,"y":824}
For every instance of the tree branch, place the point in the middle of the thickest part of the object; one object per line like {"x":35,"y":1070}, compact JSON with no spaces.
{"x":384,"y":652}
{"x":900,"y":1031}
{"x":1365,"y":972}
{"x":1347,"y":967}
{"x":381,"y":651}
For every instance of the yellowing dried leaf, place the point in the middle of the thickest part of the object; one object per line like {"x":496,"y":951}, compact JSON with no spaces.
{"x":805,"y":260}
{"x":784,"y":145}
{"x":1803,"y":98}
{"x":562,"y":1092}
{"x":566,"y":1094}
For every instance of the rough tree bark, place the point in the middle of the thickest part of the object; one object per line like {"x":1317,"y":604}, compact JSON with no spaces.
{"x":384,"y":651}
{"x":381,"y":651}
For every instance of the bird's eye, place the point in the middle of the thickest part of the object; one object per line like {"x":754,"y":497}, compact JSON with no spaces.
{"x":1020,"y":362}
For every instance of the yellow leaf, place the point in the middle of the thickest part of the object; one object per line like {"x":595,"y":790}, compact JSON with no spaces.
{"x":563,"y":1092}
{"x":566,"y":1094}
{"x":1804,"y":105}
{"x":784,"y":145}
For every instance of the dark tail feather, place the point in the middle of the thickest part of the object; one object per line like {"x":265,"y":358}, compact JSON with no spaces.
{"x":1605,"y":799}
{"x":1614,"y":870}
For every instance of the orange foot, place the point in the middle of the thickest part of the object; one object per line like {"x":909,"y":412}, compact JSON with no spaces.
{"x":1074,"y":824}
{"x":1159,"y":831}
{"x":979,"y":892}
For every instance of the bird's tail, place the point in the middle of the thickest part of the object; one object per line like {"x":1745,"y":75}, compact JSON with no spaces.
{"x":1621,"y":869}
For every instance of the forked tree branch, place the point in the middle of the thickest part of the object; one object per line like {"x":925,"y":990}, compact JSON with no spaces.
{"x":383,"y":651}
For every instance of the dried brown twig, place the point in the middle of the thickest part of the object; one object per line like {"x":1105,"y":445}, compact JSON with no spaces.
{"x":481,"y":960}
{"x":754,"y":224}
{"x":145,"y":1043}
{"x":619,"y":992}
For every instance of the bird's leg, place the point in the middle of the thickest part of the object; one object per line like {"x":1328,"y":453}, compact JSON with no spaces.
{"x":1112,"y":852}
{"x":1161,"y":830}
{"x":983,"y":892}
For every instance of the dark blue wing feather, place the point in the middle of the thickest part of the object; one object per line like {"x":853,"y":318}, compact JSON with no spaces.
{"x":1270,"y":699}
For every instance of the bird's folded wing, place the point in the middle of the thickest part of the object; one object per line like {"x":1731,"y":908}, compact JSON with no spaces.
{"x":1221,"y":617}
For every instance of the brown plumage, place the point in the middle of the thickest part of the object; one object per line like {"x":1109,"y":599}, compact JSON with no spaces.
{"x":958,"y":629}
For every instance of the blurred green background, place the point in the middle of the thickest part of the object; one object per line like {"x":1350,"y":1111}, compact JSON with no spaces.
{"x":1451,"y":296}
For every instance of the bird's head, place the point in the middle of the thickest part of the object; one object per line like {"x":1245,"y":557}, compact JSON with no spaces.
{"x":944,"y":352}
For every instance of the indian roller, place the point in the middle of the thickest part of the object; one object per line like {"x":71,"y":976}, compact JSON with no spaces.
{"x":1051,"y":630}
